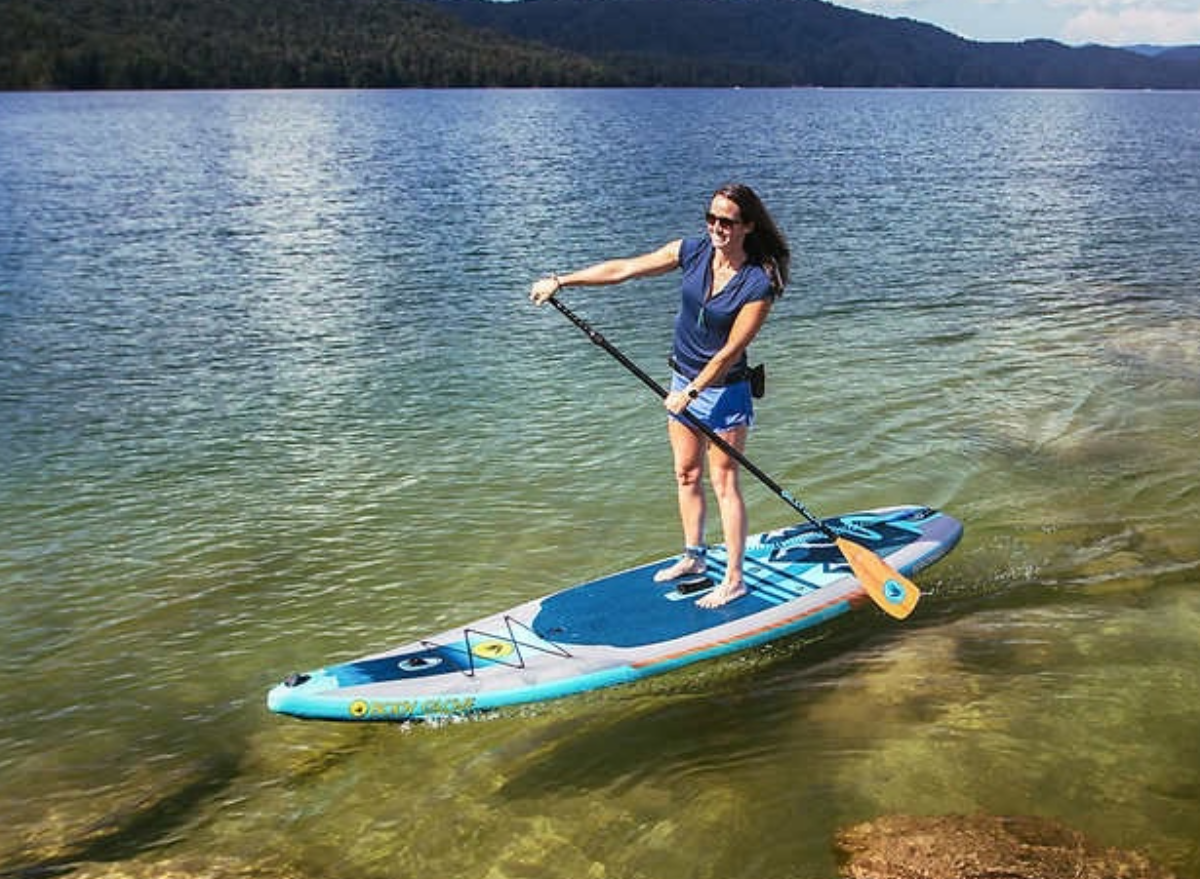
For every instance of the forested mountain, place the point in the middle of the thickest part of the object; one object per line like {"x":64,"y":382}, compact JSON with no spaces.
{"x":76,"y":44}
{"x":806,"y":42}
{"x":83,"y":44}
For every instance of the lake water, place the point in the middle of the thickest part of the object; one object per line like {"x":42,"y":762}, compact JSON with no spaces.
{"x":271,"y":395}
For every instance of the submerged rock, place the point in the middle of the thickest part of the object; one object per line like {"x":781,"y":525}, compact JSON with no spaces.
{"x":974,"y":847}
{"x":115,"y":824}
{"x":215,"y":867}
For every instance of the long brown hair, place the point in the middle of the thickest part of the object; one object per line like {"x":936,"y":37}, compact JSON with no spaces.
{"x":766,"y":245}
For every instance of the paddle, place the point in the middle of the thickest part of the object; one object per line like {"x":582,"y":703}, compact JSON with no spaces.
{"x":887,"y":587}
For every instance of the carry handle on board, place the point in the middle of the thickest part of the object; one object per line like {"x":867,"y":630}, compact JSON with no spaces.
{"x":887,"y":587}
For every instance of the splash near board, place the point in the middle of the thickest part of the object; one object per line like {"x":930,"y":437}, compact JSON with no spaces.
{"x":621,"y":627}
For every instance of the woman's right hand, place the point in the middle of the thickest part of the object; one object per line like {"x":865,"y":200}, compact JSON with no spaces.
{"x":677,"y":401}
{"x":543,"y":289}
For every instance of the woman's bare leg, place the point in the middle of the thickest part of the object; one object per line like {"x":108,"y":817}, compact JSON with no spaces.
{"x":725,"y":476}
{"x":687,"y":450}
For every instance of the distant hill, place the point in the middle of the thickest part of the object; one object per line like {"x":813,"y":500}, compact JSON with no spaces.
{"x":1187,"y":54}
{"x":92,"y":44}
{"x":805,"y":42}
{"x":1171,"y":53}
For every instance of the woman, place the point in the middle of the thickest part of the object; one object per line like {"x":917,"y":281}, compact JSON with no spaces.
{"x":730,"y":279}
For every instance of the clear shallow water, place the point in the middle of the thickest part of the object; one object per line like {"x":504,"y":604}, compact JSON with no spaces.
{"x":270,"y":395}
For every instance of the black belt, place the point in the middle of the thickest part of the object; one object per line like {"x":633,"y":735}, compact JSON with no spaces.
{"x":744,"y":372}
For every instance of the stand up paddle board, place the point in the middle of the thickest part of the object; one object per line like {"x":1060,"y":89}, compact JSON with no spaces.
{"x":619,"y":628}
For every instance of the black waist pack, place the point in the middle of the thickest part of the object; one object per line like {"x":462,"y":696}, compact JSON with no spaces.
{"x":758,"y":380}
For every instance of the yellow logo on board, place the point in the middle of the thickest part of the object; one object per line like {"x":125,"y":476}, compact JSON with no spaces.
{"x":492,"y":649}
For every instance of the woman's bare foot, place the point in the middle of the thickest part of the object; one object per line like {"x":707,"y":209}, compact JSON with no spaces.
{"x":686,"y":566}
{"x":723,"y":594}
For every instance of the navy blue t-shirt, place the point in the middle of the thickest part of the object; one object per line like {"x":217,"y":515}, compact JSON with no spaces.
{"x":702,"y":328}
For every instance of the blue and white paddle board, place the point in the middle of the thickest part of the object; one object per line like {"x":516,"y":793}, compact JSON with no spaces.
{"x":618,"y":628}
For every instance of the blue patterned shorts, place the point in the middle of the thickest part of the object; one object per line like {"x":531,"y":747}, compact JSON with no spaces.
{"x":719,"y":408}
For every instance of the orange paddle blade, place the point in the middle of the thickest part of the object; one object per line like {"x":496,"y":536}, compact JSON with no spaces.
{"x":888,"y":588}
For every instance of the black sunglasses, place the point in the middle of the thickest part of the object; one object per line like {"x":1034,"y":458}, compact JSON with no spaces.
{"x":724,"y":222}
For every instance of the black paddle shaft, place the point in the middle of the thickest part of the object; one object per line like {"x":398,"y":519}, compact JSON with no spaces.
{"x":720,"y":443}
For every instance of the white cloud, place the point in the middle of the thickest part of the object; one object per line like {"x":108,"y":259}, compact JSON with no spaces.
{"x":883,"y":6}
{"x":1119,"y":22}
{"x":1169,"y":5}
{"x":1111,"y":22}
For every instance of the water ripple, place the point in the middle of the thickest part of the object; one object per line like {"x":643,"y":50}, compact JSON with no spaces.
{"x":271,"y":395}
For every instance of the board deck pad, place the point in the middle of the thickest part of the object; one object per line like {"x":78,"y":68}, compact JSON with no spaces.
{"x":620,"y":627}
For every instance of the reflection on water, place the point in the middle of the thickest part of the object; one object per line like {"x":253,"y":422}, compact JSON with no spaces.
{"x":270,"y":396}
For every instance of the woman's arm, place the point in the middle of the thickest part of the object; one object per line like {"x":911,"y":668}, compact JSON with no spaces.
{"x":745,"y":327}
{"x":613,"y":271}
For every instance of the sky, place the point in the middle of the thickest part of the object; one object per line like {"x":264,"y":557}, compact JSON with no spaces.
{"x":1108,"y":22}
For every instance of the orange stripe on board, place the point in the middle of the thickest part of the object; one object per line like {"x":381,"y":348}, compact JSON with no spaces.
{"x":852,"y":599}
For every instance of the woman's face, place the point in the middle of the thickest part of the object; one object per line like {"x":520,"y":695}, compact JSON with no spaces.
{"x":726,"y":227}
